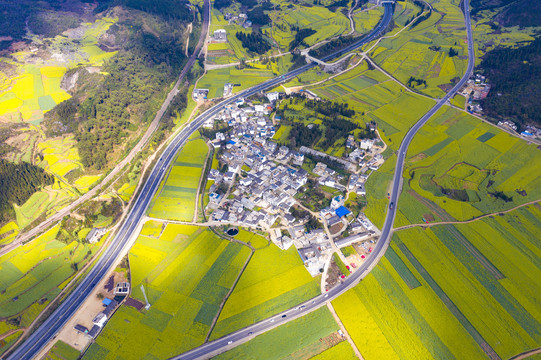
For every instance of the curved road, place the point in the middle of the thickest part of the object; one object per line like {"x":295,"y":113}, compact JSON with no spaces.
{"x":48,"y":330}
{"x":225,"y":343}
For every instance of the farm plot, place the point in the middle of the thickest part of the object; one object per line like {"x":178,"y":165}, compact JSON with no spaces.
{"x":177,"y":197}
{"x":36,"y":88}
{"x":185,"y":273}
{"x":468,"y":168}
{"x":461,"y":307}
{"x":380,"y":99}
{"x":33,"y":274}
{"x":326,"y":23}
{"x":279,"y":343}
{"x":214,"y":80}
{"x":424,"y":50}
{"x":274,"y":280}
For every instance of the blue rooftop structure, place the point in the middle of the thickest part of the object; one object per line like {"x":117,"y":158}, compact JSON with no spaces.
{"x":342,"y":211}
{"x":106,"y":302}
{"x":231,"y":142}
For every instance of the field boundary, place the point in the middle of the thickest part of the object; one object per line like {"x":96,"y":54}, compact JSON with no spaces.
{"x":220,"y":308}
{"x":423,"y":225}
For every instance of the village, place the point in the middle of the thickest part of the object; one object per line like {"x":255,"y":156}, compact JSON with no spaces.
{"x":263,"y":186}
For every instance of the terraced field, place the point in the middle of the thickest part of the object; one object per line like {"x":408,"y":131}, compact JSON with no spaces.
{"x":453,"y":291}
{"x":274,"y":280}
{"x":176,"y":198}
{"x":186,"y":272}
{"x":468,"y":168}
{"x":34,"y":274}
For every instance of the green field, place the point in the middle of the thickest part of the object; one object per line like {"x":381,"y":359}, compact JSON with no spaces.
{"x":62,"y":351}
{"x":422,"y":51}
{"x":186,"y":273}
{"x":371,"y":93}
{"x":458,"y":165}
{"x":274,"y":280}
{"x":36,"y":88}
{"x":33,"y":274}
{"x":298,"y":339}
{"x":326,"y":23}
{"x":214,"y":80}
{"x":451,"y":291}
{"x":176,"y":198}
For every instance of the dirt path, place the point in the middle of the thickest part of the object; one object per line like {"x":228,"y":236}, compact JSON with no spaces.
{"x":351,"y":21}
{"x":343,"y":328}
{"x":526,"y":354}
{"x":465,"y":221}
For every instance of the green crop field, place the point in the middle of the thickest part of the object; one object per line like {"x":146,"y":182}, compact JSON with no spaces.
{"x":186,"y":273}
{"x":380,"y":99}
{"x":62,"y":351}
{"x":298,"y":339}
{"x":36,"y":88}
{"x":468,"y":168}
{"x":274,"y":280}
{"x":422,"y":51}
{"x":214,"y":80}
{"x":176,"y":198}
{"x":474,"y":287}
{"x":33,"y":274}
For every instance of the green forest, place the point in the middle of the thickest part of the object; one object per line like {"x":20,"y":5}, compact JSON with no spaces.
{"x":515,"y":76}
{"x":17,"y":183}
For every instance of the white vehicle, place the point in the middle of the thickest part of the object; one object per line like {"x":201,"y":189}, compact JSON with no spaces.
{"x":229,"y":342}
{"x":326,"y":295}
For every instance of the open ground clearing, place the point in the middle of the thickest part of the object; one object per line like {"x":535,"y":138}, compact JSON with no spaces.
{"x":186,"y":272}
{"x":275,"y":280}
{"x":451,"y":292}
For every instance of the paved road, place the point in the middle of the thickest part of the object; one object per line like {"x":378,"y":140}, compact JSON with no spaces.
{"x":121,"y":242}
{"x":212,"y":348}
{"x":58,"y":319}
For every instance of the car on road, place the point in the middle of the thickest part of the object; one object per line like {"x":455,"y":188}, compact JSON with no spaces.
{"x":283,"y":316}
{"x":326,"y":295}
{"x":272,"y":320}
{"x":250,"y":333}
{"x":230,"y":342}
{"x":302,"y":307}
{"x":391,"y":205}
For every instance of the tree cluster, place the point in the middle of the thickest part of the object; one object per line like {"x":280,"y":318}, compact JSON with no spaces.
{"x":515,"y":76}
{"x":258,"y":16}
{"x":254,"y":42}
{"x":300,"y":35}
{"x":412,"y":82}
{"x":452,"y":52}
{"x":17,"y":183}
{"x":333,"y":46}
{"x":137,"y":74}
{"x":301,"y":135}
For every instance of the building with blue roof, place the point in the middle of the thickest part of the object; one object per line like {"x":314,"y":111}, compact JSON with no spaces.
{"x":342,"y":211}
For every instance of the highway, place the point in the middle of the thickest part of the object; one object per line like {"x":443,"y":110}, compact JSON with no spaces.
{"x":121,"y":242}
{"x":224,"y":343}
